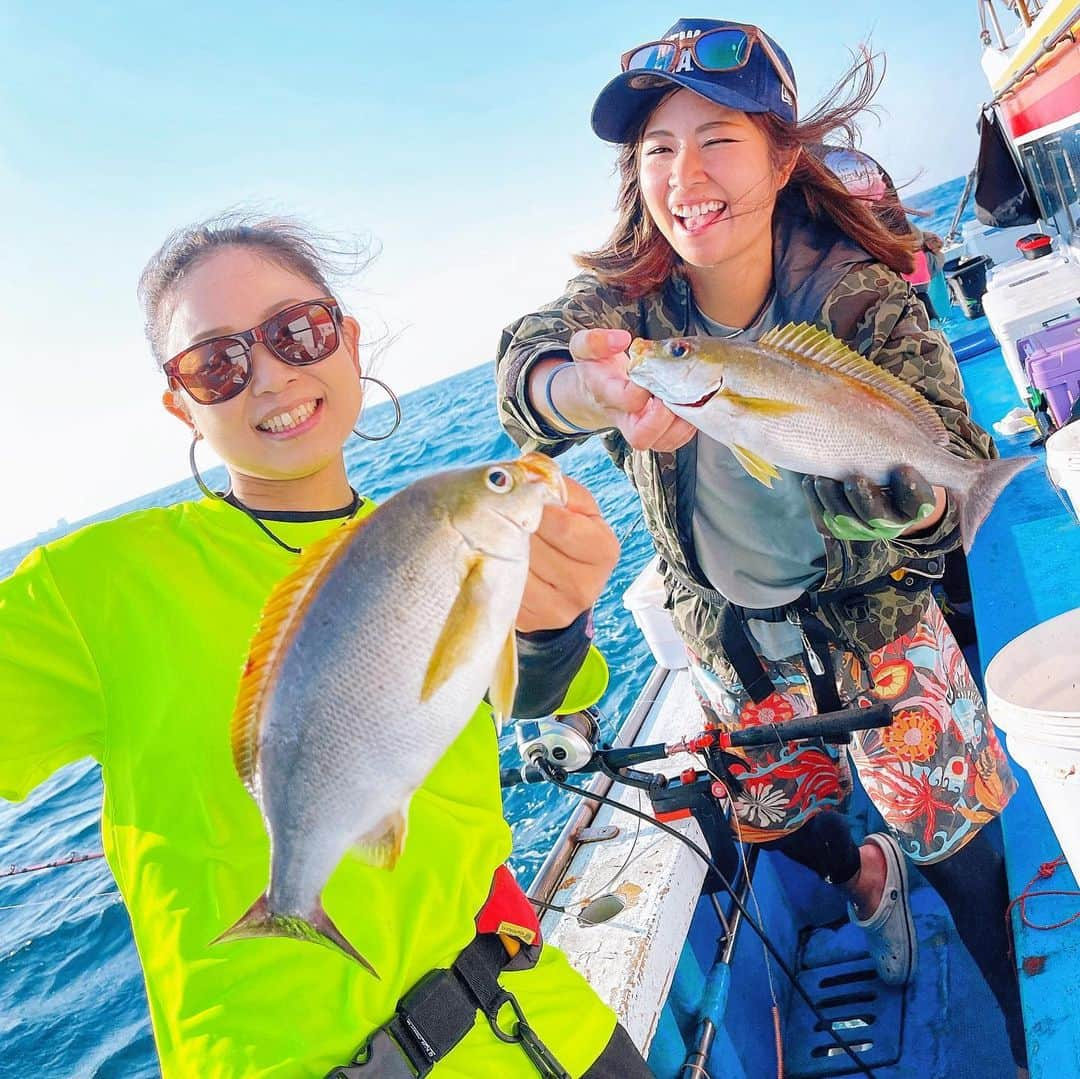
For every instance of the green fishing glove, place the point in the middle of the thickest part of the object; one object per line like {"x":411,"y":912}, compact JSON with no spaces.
{"x":856,"y":509}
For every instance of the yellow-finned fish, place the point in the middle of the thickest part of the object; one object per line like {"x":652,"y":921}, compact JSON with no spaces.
{"x":802,"y":400}
{"x":370,"y":658}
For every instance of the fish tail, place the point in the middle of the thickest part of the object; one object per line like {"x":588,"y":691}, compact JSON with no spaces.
{"x":989,"y":479}
{"x":316,"y":927}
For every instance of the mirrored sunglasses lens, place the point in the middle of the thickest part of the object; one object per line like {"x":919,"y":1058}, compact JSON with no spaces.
{"x":303,"y":334}
{"x":215,"y":371}
{"x":722,"y":50}
{"x":652,"y":58}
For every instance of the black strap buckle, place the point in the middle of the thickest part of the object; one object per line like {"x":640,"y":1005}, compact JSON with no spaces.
{"x":541,"y":1056}
{"x":439,"y":1011}
{"x":380,"y":1057}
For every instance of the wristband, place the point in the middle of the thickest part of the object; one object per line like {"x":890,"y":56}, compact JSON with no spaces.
{"x":572,"y":427}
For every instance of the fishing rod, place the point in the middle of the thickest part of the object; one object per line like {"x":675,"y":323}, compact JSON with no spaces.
{"x":553,"y":748}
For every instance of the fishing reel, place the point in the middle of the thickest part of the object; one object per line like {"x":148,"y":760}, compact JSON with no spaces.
{"x":567,"y":741}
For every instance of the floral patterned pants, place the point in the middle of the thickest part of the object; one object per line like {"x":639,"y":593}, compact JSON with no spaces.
{"x":936,"y":775}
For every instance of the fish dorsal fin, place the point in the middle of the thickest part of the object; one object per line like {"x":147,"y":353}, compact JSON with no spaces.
{"x":277,"y":623}
{"x":807,"y":342}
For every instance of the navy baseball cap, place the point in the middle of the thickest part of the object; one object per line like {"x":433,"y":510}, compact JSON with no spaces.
{"x":749,"y":80}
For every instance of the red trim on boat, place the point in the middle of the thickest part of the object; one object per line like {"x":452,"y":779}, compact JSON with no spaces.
{"x":1048,"y":96}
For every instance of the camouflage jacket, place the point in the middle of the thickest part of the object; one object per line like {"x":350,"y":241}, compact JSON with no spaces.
{"x":822,"y":277}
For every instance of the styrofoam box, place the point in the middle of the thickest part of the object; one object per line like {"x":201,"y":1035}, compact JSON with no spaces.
{"x":1021,"y":300}
{"x":645,"y":599}
{"x":1063,"y":462}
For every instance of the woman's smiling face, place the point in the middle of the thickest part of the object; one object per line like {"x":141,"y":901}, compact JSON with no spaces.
{"x":289,"y":422}
{"x":708,"y":180}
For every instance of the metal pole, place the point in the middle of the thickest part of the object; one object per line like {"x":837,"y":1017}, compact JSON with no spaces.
{"x":953,"y":233}
{"x":698,"y":1060}
{"x":989,"y":4}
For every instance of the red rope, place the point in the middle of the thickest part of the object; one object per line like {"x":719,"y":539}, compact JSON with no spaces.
{"x":1046,"y":870}
{"x":71,"y":859}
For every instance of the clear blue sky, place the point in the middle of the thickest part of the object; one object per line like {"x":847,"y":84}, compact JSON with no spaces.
{"x":455,"y":134}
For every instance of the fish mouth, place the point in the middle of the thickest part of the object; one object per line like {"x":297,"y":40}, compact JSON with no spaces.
{"x":636,"y":352}
{"x":540,"y":469}
{"x":699,"y":402}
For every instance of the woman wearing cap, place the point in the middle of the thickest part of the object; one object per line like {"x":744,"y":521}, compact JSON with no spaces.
{"x":728,"y":226}
{"x":125,"y":641}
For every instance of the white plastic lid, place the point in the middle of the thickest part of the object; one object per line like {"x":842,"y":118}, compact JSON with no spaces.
{"x":647,"y":589}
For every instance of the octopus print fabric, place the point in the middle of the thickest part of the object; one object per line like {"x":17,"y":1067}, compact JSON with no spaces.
{"x":936,"y":775}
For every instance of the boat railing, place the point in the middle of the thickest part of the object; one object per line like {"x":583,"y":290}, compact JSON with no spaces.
{"x":554,"y":865}
{"x":1050,"y":42}
{"x":1025,"y":10}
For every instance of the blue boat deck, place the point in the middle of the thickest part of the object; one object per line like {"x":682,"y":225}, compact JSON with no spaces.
{"x":1024,"y":570}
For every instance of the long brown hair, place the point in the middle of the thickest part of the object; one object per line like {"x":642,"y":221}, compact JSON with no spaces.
{"x":638,"y":259}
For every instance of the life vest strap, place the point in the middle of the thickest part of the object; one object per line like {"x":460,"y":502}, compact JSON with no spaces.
{"x":441,"y":1008}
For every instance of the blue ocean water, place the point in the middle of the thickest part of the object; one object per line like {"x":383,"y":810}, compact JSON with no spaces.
{"x":71,"y":995}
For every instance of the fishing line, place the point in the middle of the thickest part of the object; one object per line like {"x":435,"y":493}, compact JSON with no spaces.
{"x":634,"y":525}
{"x":742,"y":856}
{"x":598,"y":892}
{"x":53,"y":902}
{"x":552,"y":773}
{"x":626,"y":861}
{"x":757,"y":906}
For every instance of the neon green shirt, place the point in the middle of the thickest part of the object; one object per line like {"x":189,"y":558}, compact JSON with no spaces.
{"x":125,"y":642}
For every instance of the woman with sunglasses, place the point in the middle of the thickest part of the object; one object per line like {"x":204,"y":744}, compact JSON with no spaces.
{"x":125,"y":642}
{"x":811,"y":594}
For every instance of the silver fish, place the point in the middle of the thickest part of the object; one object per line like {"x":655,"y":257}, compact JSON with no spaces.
{"x":800,"y":399}
{"x":369,"y":660}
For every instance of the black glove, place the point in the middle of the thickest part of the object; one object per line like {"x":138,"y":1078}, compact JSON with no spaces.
{"x":856,"y":509}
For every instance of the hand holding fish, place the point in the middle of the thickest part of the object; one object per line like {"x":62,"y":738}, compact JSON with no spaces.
{"x":594,"y":394}
{"x":642,"y":419}
{"x":571,"y":556}
{"x":857,"y":509}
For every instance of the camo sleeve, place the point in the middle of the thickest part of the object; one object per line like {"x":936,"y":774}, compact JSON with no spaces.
{"x":586,"y":305}
{"x":876,"y":312}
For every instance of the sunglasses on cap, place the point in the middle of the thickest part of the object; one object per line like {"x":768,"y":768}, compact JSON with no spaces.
{"x":216,"y":370}
{"x":726,"y":48}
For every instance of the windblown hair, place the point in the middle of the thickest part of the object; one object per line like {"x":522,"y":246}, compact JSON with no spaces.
{"x":638,"y":259}
{"x":281,"y":240}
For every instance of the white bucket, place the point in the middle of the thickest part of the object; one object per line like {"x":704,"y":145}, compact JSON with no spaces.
{"x":1033,"y":695}
{"x":644,"y":599}
{"x":1063,"y":462}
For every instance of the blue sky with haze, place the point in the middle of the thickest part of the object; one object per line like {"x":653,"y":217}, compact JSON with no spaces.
{"x":455,"y":135}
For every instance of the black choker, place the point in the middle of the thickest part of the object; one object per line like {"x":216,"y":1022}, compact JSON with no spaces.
{"x":347,"y":512}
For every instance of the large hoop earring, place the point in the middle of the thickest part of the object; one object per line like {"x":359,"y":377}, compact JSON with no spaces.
{"x":198,"y":479}
{"x":397,"y":412}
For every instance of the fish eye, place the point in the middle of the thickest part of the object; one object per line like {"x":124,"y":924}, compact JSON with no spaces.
{"x":678,"y":349}
{"x":498,"y":479}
